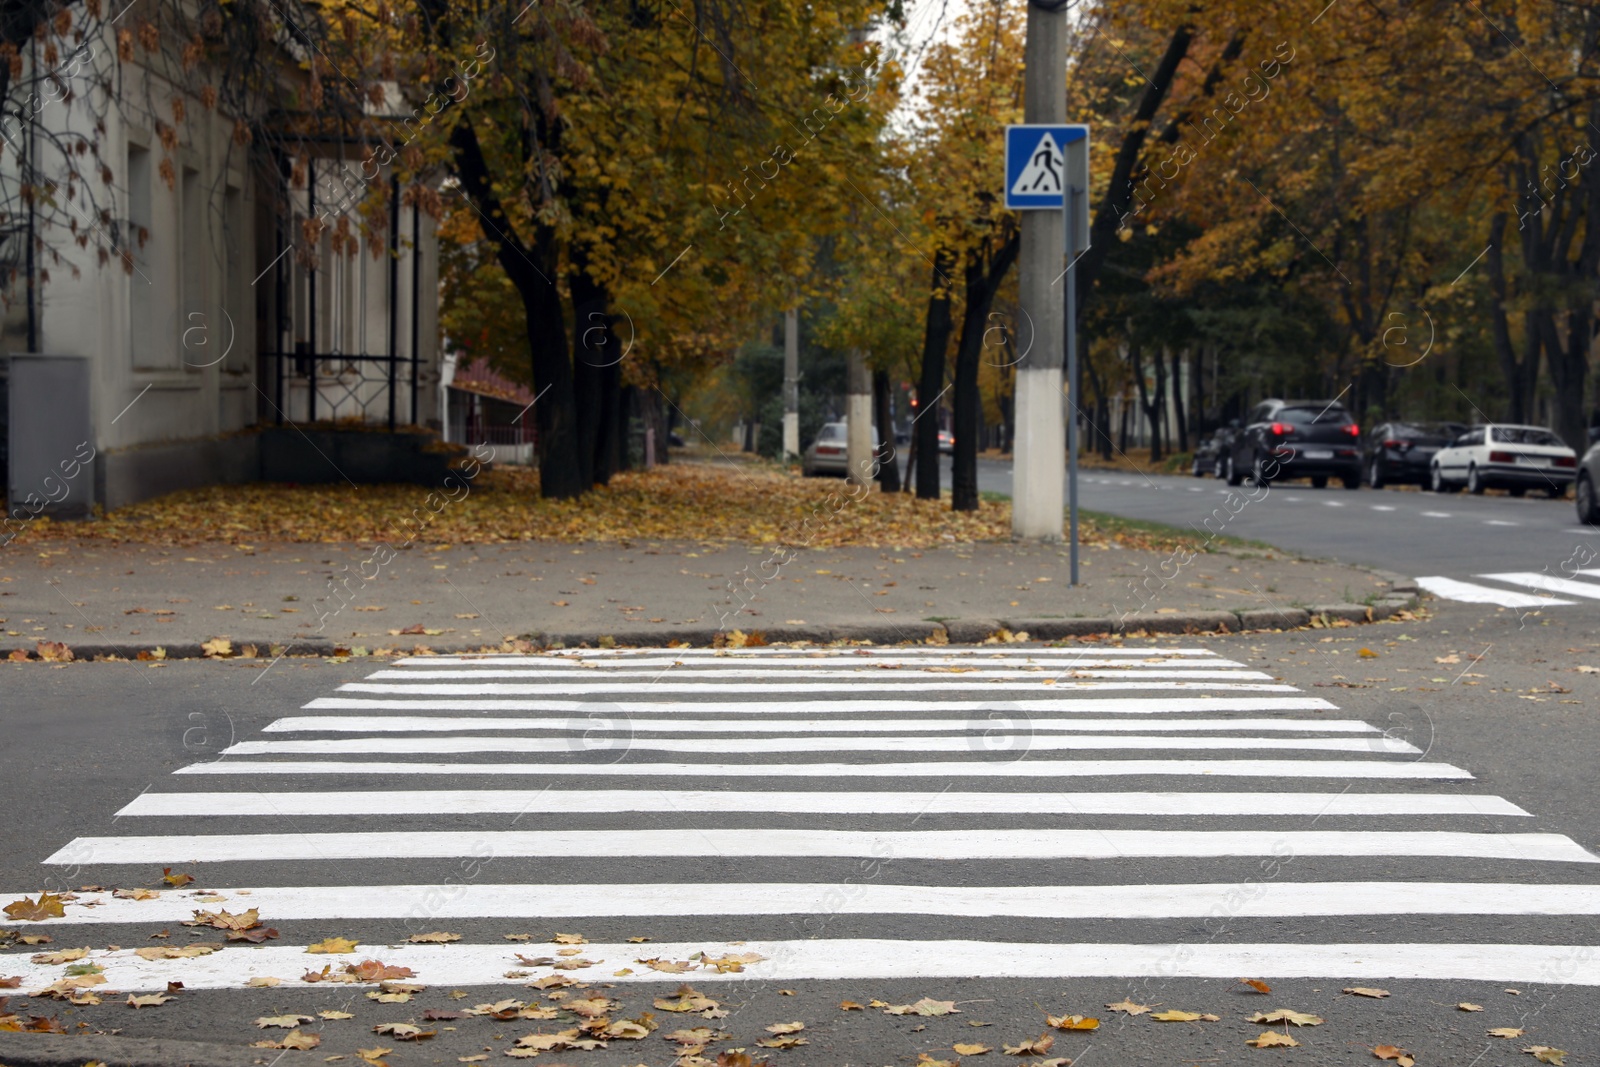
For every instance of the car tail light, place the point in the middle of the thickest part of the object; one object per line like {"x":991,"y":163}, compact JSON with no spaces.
{"x":1397,"y":444}
{"x":1501,"y":457}
{"x":1282,"y":429}
{"x":828,"y":450}
{"x":1566,"y":461}
{"x":1353,"y":430}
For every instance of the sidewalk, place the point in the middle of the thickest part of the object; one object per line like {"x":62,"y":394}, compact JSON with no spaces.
{"x":103,"y":598}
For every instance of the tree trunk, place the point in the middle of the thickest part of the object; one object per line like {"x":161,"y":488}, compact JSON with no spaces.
{"x":1152,"y":410}
{"x":888,"y":463}
{"x":1569,"y":371}
{"x":911,"y":463}
{"x":531,"y":269}
{"x":930,"y":388}
{"x":983,"y":277}
{"x":1180,"y":389}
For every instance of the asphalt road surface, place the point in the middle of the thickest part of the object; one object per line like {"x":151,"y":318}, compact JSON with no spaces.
{"x":1021,"y":833}
{"x":1418,"y":534}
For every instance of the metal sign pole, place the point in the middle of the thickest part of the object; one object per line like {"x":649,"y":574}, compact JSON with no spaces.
{"x":1070,"y":327}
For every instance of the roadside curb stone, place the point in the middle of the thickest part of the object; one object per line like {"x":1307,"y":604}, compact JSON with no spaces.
{"x":954,"y":631}
{"x":1274,"y":618}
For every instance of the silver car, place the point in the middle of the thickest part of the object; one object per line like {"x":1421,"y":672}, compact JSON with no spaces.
{"x":829,"y":453}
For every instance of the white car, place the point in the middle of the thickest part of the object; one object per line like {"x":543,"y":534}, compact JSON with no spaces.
{"x":1500,"y":456}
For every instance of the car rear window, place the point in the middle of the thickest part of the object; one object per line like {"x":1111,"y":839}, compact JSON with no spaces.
{"x":1322,"y":413}
{"x":1525,"y":435}
{"x":833,"y":431}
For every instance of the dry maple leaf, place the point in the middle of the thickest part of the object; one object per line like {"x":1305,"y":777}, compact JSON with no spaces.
{"x":225,"y":920}
{"x":175,"y":880}
{"x":1273,"y":1039}
{"x":1286,"y":1015}
{"x":786,"y":1028}
{"x":334,"y":944}
{"x":48,"y":906}
{"x":1392,"y":1052}
{"x":782,"y":1041}
{"x":850,"y":1005}
{"x":632,"y":1029}
{"x":149,"y":1000}
{"x":667,"y":966}
{"x":569,"y":939}
{"x":1464,"y":1006}
{"x":172,"y":952}
{"x":404,"y":1031}
{"x":136,"y":894}
{"x":1036,"y":1047}
{"x":65,"y":955}
{"x":1256,"y":984}
{"x":1546,"y":1054}
{"x":217,"y":648}
{"x":966,"y":1049}
{"x":53,"y":652}
{"x":1363,"y":991}
{"x":925,"y":1006}
{"x":288,"y":1022}
{"x":1507,"y":1031}
{"x":335,"y":1016}
{"x":1129,"y":1006}
{"x":437,"y":937}
{"x":1175,"y":1016}
{"x":1071,"y":1022}
{"x":375,"y":971}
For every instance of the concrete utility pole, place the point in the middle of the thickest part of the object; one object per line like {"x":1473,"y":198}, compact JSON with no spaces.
{"x":791,"y":384}
{"x":858,"y":419}
{"x":1038,"y":465}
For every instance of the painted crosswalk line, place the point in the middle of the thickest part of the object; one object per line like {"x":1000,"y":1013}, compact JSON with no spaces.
{"x":858,"y":958}
{"x":1546,"y":583}
{"x":844,"y":705}
{"x":844,"y":673}
{"x":1016,"y":768}
{"x":597,"y":716}
{"x":666,"y":686}
{"x":431,"y":903}
{"x":1028,"y":741}
{"x":577,"y":801}
{"x":1472,"y":593}
{"x":853,"y":844}
{"x":922,"y":653}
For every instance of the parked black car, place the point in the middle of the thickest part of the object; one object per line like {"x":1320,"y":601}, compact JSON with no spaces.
{"x":1314,"y":439}
{"x":1211,"y":454}
{"x":1403,"y":451}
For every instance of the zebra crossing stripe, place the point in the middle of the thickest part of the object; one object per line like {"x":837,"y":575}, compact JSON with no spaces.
{"x":1472,"y":593}
{"x":1009,"y":740}
{"x":664,"y":900}
{"x":847,"y":706}
{"x":774,"y":842}
{"x":592,"y":801}
{"x":1547,"y":584}
{"x":667,"y":688}
{"x":598,"y":715}
{"x":1015,"y":768}
{"x":878,"y":958}
{"x":844,"y":673}
{"x":850,"y":655}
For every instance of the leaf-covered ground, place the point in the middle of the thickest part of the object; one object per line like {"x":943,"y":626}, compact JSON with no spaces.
{"x":694,"y":502}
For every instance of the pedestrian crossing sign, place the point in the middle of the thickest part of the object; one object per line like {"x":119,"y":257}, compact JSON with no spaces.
{"x":1043,"y":163}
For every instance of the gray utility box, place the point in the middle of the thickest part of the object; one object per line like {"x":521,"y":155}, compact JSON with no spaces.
{"x":50,"y":438}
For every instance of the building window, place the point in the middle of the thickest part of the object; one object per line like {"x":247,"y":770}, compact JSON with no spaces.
{"x":142,"y":297}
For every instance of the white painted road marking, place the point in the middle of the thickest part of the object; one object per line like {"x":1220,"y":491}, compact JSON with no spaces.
{"x":1472,"y":593}
{"x":778,"y":842}
{"x":1546,"y":583}
{"x":881,"y":958}
{"x":872,"y":682}
{"x":842,"y":706}
{"x":568,"y":901}
{"x":588,"y":801}
{"x":977,"y":740}
{"x":600,"y":715}
{"x":1017,"y":768}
